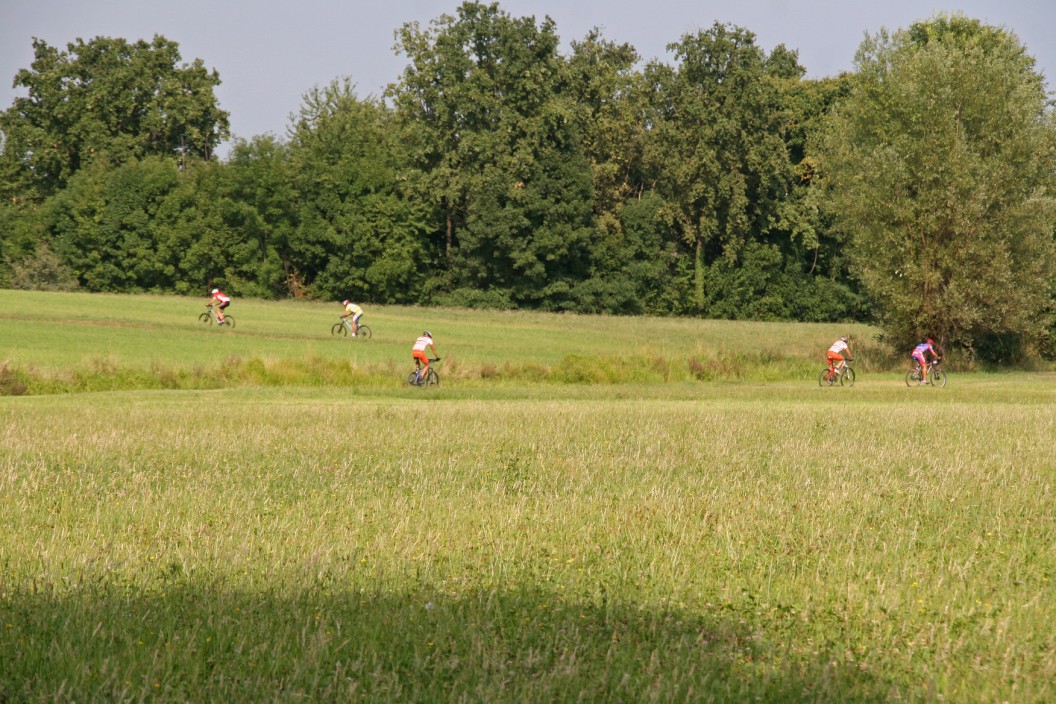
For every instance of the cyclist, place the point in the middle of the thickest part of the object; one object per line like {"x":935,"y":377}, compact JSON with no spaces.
{"x":351,"y":309}
{"x":835,"y":355}
{"x":221,"y":301}
{"x":918,"y":354}
{"x":420,"y":358}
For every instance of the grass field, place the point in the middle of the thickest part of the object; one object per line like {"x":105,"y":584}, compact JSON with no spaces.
{"x":76,"y":342}
{"x":511,"y":538}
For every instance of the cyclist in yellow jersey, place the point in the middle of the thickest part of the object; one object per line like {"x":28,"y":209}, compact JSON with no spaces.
{"x":353,"y":311}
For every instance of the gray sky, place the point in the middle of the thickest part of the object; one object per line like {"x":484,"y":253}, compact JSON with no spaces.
{"x":270,"y":52}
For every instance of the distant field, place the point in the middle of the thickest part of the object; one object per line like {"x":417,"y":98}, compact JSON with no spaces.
{"x":93,"y":341}
{"x":510,"y":538}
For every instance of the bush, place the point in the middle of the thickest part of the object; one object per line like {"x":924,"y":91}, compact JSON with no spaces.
{"x":42,"y":271}
{"x":12,"y":381}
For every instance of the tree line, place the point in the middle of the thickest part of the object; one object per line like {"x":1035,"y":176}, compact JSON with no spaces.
{"x":499,"y":171}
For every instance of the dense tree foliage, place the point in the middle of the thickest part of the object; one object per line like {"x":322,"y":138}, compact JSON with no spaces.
{"x":356,"y":233}
{"x":940,"y":165}
{"x":498,"y":147}
{"x":498,"y":171}
{"x":105,"y":100}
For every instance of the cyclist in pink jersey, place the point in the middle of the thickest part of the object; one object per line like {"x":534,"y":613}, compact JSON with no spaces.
{"x":919,"y":351}
{"x":220,"y":301}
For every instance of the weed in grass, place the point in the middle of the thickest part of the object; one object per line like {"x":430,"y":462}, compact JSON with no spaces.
{"x":12,"y":381}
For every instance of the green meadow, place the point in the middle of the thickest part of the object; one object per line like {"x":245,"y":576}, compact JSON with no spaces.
{"x":586,"y":509}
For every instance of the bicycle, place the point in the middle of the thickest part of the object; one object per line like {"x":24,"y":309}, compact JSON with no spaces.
{"x":844,"y":375}
{"x":431,"y":377}
{"x":209,"y":318}
{"x":343,"y":327}
{"x":932,"y":374}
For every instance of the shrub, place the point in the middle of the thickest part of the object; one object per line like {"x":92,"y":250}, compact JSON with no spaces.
{"x":44,"y":270}
{"x":12,"y":381}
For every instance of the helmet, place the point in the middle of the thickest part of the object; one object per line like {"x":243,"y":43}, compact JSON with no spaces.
{"x":428,"y":334}
{"x":344,"y":302}
{"x":843,"y":339}
{"x":930,"y":341}
{"x":216,"y":290}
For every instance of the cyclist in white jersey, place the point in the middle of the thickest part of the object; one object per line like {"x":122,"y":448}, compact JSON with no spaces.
{"x":421,"y":359}
{"x":835,"y":355}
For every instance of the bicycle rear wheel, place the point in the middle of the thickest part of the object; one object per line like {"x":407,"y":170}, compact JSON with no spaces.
{"x":847,"y":377}
{"x":937,"y":377}
{"x":339,"y":329}
{"x":914,"y":377}
{"x":205,"y":319}
{"x":825,"y":378}
{"x":363,"y":333}
{"x":412,"y":379}
{"x":229,"y":322}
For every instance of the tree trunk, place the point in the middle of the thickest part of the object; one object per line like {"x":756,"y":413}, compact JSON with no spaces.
{"x":698,"y":276}
{"x":449,"y":236}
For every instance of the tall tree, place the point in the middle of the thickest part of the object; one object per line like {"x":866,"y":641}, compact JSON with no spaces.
{"x":257,"y":178}
{"x":939,"y":166}
{"x":105,"y":99}
{"x":358,"y":234}
{"x":498,"y":148}
{"x":716,"y":151}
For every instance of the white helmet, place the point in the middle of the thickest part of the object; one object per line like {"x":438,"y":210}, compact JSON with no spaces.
{"x":216,"y":290}
{"x":428,"y":334}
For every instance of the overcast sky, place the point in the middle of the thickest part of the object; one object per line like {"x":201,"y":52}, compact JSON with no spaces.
{"x":270,"y":52}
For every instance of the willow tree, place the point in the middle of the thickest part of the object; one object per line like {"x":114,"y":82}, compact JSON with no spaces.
{"x":939,"y":167}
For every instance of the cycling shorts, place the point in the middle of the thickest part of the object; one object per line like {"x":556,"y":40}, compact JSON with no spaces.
{"x":420,"y":356}
{"x":835,"y":357}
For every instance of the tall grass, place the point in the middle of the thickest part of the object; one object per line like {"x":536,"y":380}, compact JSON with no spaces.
{"x":766,"y":542}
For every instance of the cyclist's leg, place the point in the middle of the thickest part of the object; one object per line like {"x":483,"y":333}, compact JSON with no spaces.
{"x":835,"y":362}
{"x":355,"y":323}
{"x":220,"y":311}
{"x":419,"y":360}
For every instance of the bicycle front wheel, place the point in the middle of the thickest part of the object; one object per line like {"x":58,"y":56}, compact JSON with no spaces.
{"x":937,"y":377}
{"x":339,"y":329}
{"x":913,"y":377}
{"x":825,"y":379}
{"x":847,"y":377}
{"x":432,"y":378}
{"x":205,"y":319}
